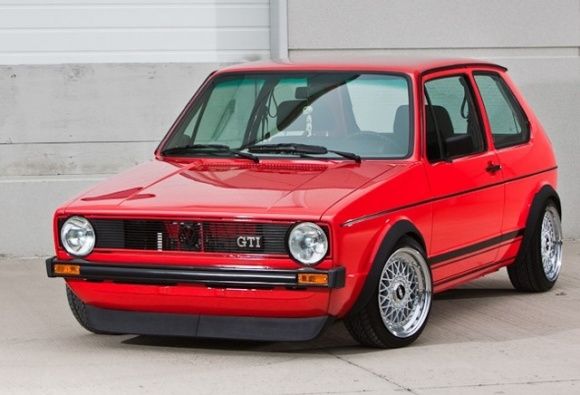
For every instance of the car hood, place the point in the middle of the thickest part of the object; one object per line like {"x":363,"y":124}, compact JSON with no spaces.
{"x":228,"y":188}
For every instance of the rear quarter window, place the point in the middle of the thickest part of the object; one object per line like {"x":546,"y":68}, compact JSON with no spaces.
{"x":509,"y":125}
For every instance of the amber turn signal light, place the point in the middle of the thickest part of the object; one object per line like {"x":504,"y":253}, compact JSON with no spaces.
{"x":67,"y":270}
{"x":312,"y":279}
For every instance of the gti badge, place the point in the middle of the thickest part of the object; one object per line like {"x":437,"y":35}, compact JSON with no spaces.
{"x":249,"y":241}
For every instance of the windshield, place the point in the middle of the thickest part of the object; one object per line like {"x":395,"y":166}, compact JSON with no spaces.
{"x":363,"y":114}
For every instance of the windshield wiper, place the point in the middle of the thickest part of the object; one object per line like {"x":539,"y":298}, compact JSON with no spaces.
{"x":200,"y":149}
{"x":298,"y":149}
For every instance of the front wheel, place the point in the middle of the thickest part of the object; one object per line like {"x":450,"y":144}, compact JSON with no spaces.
{"x":398,"y":311}
{"x":538,"y":264}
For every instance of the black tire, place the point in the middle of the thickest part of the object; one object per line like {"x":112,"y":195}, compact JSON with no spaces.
{"x":527,"y":273}
{"x":367,"y":325}
{"x":79,"y":311}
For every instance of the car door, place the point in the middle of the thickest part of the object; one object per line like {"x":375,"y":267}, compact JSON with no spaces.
{"x":465,"y":180}
{"x":520,"y":160}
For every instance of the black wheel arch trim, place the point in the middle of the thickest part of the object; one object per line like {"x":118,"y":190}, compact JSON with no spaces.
{"x":546,"y":193}
{"x":399,"y":230}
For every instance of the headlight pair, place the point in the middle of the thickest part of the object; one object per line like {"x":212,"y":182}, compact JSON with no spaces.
{"x":307,"y":242}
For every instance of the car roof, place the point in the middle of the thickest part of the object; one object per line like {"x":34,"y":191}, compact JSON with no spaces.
{"x":405,"y":65}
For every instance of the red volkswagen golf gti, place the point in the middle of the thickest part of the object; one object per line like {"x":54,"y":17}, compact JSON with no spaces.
{"x":288,"y":195}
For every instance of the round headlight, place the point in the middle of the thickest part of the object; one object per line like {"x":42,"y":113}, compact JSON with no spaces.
{"x":77,"y":236}
{"x":307,"y":243}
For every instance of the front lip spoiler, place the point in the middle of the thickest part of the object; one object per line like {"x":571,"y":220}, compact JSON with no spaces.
{"x":163,"y":274}
{"x":205,"y":326}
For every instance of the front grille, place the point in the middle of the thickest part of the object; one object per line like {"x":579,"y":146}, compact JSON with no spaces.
{"x":258,"y":238}
{"x":168,"y":235}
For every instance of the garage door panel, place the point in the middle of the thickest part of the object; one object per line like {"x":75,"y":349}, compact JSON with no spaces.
{"x":133,"y":31}
{"x":134,"y":39}
{"x":128,"y":16}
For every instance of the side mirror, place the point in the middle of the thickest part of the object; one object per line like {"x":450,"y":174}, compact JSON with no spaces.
{"x":458,"y":145}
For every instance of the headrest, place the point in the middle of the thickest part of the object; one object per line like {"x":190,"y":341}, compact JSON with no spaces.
{"x":443,"y":121}
{"x":401,"y":123}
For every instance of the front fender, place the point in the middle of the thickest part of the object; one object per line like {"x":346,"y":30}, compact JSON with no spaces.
{"x":371,"y":246}
{"x":397,"y":231}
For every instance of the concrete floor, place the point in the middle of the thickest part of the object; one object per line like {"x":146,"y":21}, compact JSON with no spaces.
{"x":482,"y":339}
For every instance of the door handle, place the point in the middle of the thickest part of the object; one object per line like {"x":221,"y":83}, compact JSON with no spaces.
{"x":493,"y":167}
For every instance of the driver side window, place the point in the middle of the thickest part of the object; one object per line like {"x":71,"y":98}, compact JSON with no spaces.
{"x":453,"y":127}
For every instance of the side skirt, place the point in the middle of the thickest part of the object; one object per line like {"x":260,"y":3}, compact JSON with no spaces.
{"x":452,"y":257}
{"x":451,"y":282}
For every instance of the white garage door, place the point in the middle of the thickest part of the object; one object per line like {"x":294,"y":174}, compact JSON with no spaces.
{"x":97,"y":31}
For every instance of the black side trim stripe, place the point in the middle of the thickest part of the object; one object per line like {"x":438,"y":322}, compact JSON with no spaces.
{"x":452,"y":261}
{"x":478,"y":269}
{"x":475,"y":247}
{"x":353,"y":221}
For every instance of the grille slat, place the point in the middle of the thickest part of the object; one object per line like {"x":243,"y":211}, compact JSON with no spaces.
{"x":174,"y":235}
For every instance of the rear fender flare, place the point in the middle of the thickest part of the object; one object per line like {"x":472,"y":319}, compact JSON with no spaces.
{"x":542,"y":196}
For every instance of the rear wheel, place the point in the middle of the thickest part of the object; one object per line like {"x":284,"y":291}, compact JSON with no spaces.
{"x":79,"y":311}
{"x":538,"y":265}
{"x":398,"y":311}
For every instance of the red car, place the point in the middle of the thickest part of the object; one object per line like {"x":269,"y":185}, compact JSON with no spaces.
{"x":288,"y":195}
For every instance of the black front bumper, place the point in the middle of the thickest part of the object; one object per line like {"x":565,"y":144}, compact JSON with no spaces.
{"x":219,"y":276}
{"x":205,"y":326}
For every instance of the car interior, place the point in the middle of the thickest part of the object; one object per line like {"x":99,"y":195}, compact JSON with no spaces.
{"x":328,"y":120}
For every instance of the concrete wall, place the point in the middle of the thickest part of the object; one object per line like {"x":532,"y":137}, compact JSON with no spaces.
{"x":65,"y":127}
{"x":538,"y":41}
